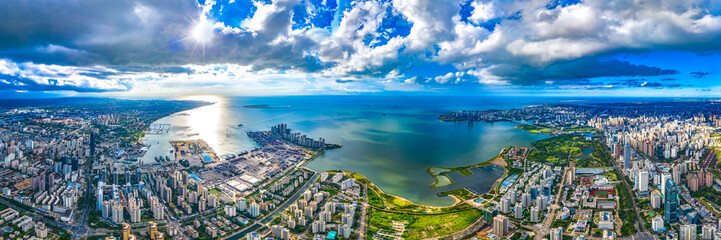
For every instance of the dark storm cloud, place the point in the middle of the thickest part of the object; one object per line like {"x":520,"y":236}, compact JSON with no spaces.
{"x":577,"y":69}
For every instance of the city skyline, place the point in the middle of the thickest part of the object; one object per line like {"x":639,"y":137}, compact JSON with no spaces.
{"x":170,"y":49}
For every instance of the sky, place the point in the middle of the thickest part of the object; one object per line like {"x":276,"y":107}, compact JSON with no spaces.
{"x":170,"y":48}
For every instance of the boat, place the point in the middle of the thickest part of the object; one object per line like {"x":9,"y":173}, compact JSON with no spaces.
{"x":240,"y":125}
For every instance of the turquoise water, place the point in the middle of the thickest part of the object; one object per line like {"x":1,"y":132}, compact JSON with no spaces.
{"x":390,"y":140}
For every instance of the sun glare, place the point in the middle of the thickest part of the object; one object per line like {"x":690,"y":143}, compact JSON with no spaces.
{"x":205,"y":98}
{"x":202,"y":32}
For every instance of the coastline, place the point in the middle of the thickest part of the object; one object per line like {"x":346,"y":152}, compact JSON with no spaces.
{"x":496,"y":160}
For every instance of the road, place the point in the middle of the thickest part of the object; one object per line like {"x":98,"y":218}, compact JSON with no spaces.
{"x":261,"y":221}
{"x":546,"y":227}
{"x":364,"y":206}
{"x":639,"y":223}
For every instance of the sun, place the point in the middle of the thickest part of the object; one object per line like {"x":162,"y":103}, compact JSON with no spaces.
{"x":202,"y":32}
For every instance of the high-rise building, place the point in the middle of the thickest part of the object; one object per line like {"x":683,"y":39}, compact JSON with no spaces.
{"x":518,"y":211}
{"x":99,"y":193}
{"x":202,"y":204}
{"x":687,"y":232}
{"x":489,"y":213}
{"x":74,"y":163}
{"x":153,"y":230}
{"x":664,"y":177}
{"x":513,"y":196}
{"x":655,"y":199}
{"x":505,"y":205}
{"x":627,"y":156}
{"x":254,"y":210}
{"x":671,"y":202}
{"x":657,"y":224}
{"x":557,"y":233}
{"x":642,"y":180}
{"x":541,"y":203}
{"x":534,"y":214}
{"x":707,"y":231}
{"x":117,"y":213}
{"x":500,"y":226}
{"x":525,"y":200}
{"x":572,"y":172}
{"x":126,"y":231}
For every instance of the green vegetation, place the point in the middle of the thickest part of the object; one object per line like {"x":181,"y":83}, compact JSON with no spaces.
{"x":536,"y":129}
{"x":624,"y":196}
{"x":184,"y":163}
{"x":461,"y":194}
{"x":708,"y":193}
{"x":424,"y":225}
{"x":394,"y":203}
{"x":558,"y":149}
{"x":626,"y":212}
{"x":374,"y":199}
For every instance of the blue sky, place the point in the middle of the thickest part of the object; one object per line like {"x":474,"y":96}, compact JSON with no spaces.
{"x":174,"y":48}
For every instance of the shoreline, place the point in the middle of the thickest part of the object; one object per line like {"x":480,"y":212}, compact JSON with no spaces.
{"x":496,"y":160}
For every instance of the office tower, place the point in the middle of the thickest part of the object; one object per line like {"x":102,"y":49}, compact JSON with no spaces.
{"x":489,"y":213}
{"x":500,"y":226}
{"x":664,"y":178}
{"x":99,"y":193}
{"x":671,"y":204}
{"x":74,"y":163}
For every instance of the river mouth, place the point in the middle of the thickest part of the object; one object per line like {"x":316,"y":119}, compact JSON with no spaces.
{"x":390,"y":140}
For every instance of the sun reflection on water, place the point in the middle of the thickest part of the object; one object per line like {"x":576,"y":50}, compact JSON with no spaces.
{"x":207,"y":122}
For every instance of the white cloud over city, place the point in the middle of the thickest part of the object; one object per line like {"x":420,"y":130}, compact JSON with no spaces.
{"x":328,"y":47}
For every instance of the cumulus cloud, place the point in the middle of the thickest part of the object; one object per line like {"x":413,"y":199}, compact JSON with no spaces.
{"x":119,"y":45}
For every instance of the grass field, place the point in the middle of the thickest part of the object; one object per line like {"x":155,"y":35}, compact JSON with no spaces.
{"x":424,"y":225}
